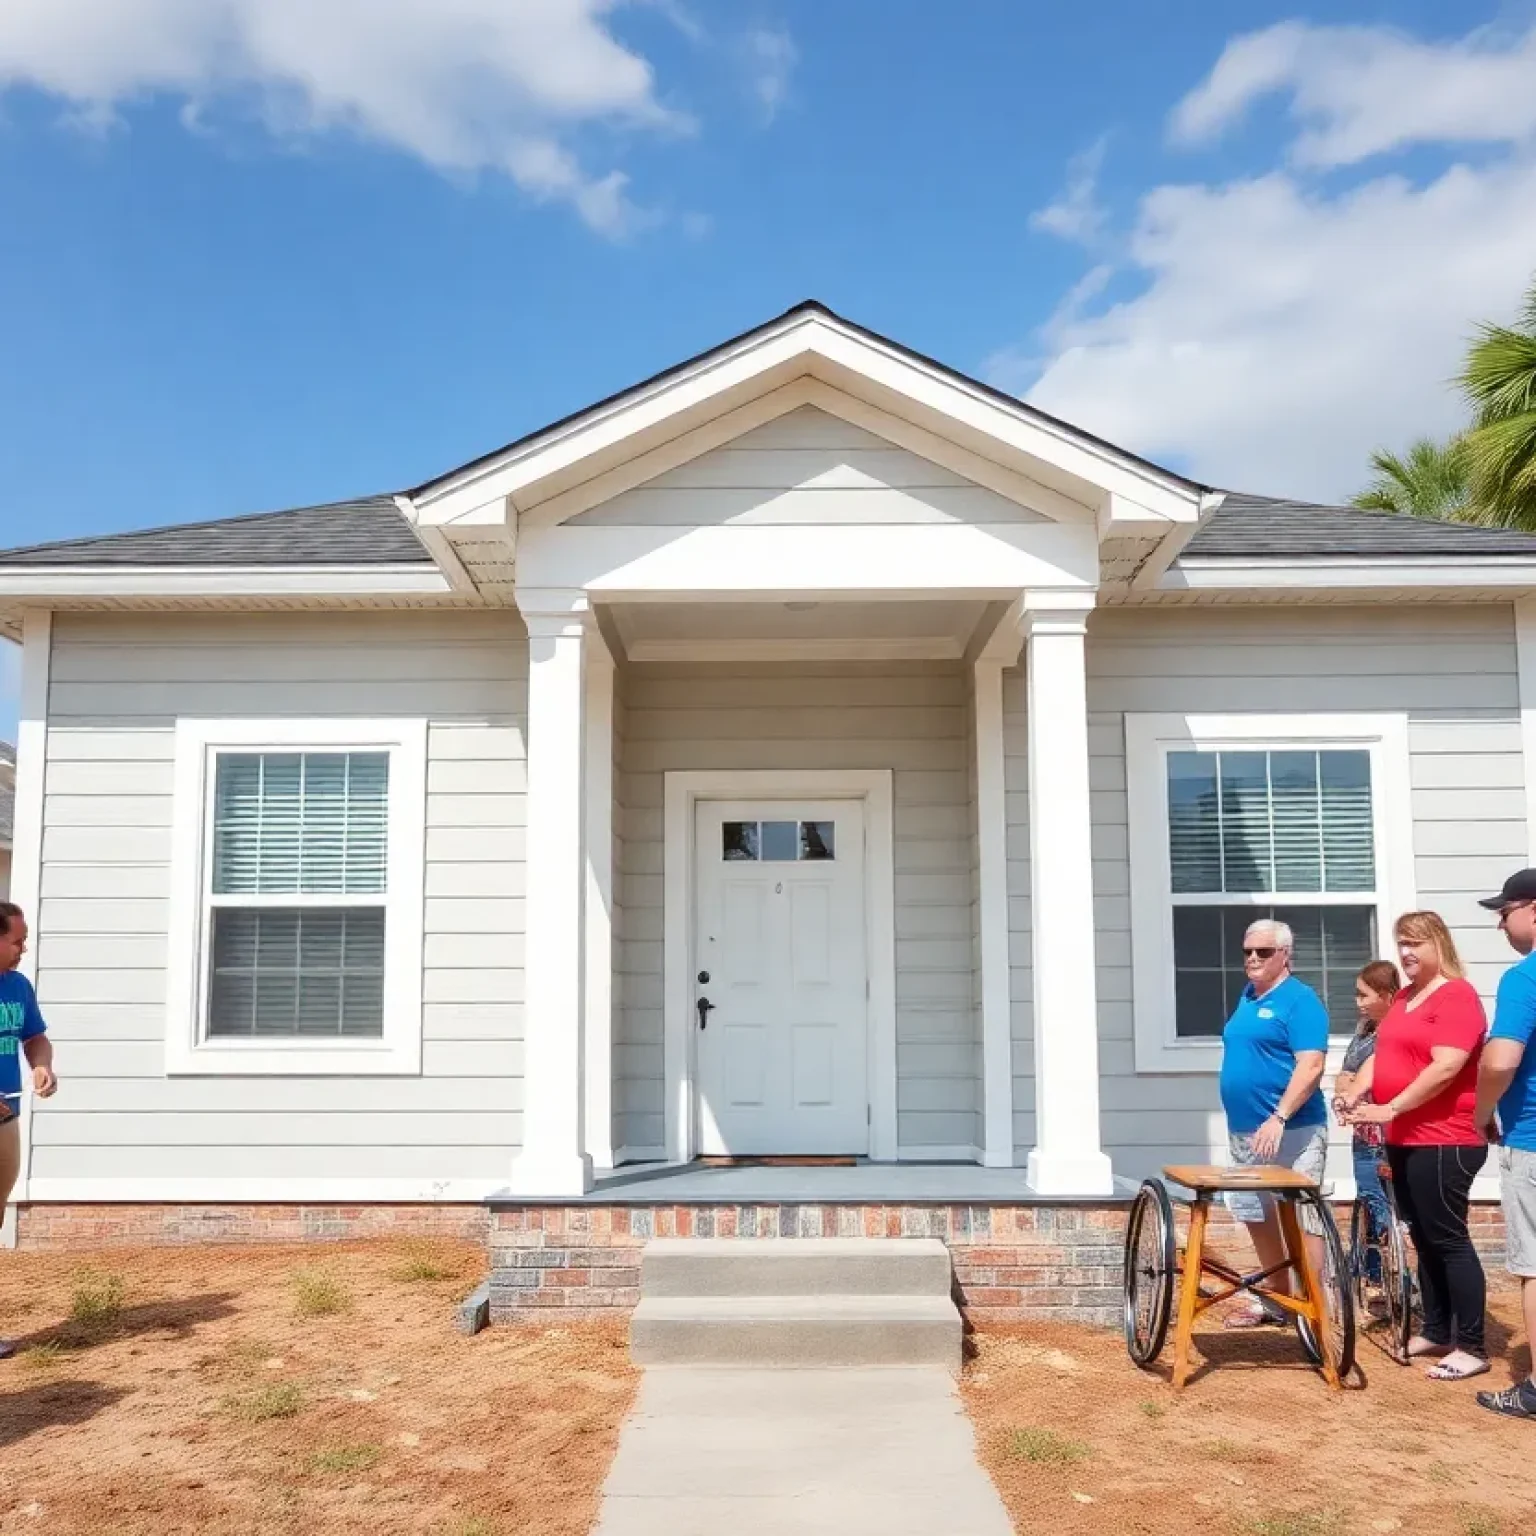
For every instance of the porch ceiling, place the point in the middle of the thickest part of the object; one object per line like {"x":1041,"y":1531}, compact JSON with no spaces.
{"x":891,"y":630}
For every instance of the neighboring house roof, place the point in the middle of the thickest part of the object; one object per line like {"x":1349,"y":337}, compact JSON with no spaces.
{"x":369,"y":531}
{"x":1267,"y":527}
{"x":7,"y":793}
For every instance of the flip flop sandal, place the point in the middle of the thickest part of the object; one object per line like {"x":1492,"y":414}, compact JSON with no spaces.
{"x":1517,"y":1402}
{"x":1254,"y":1317}
{"x":1443,"y":1372}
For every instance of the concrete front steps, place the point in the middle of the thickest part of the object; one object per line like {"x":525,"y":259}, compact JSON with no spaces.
{"x":807,"y":1302}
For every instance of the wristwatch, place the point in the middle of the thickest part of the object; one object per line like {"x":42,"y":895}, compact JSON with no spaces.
{"x":1283,"y":1119}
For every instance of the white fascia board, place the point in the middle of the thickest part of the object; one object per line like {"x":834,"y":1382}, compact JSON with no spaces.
{"x":1345,"y":574}
{"x":847,"y":559}
{"x":61,"y":582}
{"x":804,"y":344}
{"x":1015,"y":427}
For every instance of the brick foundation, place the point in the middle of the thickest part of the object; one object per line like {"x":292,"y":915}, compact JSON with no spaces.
{"x":1042,"y":1261}
{"x":63,"y":1227}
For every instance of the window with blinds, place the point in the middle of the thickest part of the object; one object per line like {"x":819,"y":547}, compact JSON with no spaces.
{"x":299,"y":876}
{"x":1287,"y":834}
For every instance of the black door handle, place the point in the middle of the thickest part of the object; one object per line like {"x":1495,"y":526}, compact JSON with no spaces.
{"x":705,"y":1008}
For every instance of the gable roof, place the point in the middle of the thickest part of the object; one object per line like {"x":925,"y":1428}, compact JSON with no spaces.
{"x":371,"y":530}
{"x":806,"y":309}
{"x":1251,"y":528}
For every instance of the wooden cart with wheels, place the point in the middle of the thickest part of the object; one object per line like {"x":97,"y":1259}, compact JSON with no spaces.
{"x":1155,"y":1267}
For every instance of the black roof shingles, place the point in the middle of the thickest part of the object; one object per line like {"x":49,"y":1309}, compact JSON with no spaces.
{"x":1271,"y":528}
{"x":368,"y":531}
{"x":373,"y":531}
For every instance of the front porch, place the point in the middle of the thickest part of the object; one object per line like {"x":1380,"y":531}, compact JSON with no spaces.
{"x":861,"y":1183}
{"x":917,"y":989}
{"x":1014,"y":1253}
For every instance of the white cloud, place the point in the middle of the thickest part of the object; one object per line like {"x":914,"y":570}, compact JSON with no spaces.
{"x":771,"y":58}
{"x":1361,"y":91}
{"x":466,"y":85}
{"x":1284,"y":328}
{"x":1077,"y":214}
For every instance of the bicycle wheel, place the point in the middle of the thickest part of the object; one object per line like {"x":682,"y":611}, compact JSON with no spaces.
{"x":1338,"y":1291}
{"x":1151,"y":1263}
{"x":1360,"y":1246}
{"x":1397,"y":1289}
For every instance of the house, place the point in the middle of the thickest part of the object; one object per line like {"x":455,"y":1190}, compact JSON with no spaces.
{"x":807,"y":752}
{"x":7,"y":813}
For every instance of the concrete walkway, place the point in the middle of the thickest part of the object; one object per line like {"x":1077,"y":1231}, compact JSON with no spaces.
{"x":712,"y":1449}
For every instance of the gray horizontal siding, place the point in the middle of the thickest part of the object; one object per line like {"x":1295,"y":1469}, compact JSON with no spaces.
{"x":807,"y":467}
{"x":118,"y":684}
{"x":1451,"y":669}
{"x":911,"y":719}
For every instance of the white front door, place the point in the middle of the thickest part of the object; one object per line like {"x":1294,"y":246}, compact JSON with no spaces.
{"x":779,"y":933}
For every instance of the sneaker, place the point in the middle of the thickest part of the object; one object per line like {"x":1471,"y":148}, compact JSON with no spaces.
{"x":1516,"y":1402}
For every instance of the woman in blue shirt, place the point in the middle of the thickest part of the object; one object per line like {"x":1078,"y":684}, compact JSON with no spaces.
{"x":21,"y":1034}
{"x":1273,"y":1050}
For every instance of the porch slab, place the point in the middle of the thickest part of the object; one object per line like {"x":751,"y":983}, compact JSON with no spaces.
{"x":862,"y":1183}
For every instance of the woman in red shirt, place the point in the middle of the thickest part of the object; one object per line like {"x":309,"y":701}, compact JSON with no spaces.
{"x":1423,"y":1078}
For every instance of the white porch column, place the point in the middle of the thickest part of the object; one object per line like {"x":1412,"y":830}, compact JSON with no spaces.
{"x":553,"y":1159}
{"x":992,"y":918}
{"x":597,"y":1002}
{"x":1067,"y":1158}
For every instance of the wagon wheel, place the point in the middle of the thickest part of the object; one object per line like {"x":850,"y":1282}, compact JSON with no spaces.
{"x":1151,"y":1266}
{"x":1338,"y":1290}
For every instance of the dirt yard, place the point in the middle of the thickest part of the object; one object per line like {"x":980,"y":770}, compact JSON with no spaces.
{"x":311,"y":1390}
{"x":293,"y":1390}
{"x":1079,"y":1440}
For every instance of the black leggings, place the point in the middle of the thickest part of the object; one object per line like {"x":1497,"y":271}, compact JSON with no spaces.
{"x":1432,"y":1186}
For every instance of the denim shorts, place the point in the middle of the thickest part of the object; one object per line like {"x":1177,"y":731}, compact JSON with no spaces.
{"x":1302,"y":1147}
{"x":1517,"y":1190}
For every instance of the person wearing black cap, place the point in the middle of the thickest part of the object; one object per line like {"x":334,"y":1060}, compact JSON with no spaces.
{"x":1506,"y":1113}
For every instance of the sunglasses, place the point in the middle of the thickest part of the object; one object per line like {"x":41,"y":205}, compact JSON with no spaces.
{"x":1258,"y":952}
{"x":1513,"y":906}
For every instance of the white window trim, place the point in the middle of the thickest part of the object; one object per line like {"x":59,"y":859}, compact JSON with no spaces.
{"x":398,"y":1052}
{"x":1148,"y":740}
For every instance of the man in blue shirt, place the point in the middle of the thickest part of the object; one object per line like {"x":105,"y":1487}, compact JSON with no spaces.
{"x":1506,"y":1113}
{"x":1273,"y":1051}
{"x":21,"y":1033}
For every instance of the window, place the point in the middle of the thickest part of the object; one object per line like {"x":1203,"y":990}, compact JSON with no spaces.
{"x":778,"y":842}
{"x":290,"y":827}
{"x":1238,"y":818}
{"x":298,"y":886}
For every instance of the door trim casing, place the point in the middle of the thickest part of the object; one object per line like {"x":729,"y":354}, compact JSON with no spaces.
{"x":682,"y":791}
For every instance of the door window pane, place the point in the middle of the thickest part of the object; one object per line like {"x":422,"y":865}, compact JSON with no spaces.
{"x":818,"y":840}
{"x":781,"y":842}
{"x":740,"y":840}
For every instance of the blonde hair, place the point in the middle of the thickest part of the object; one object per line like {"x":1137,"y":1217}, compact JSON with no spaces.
{"x":1429,"y":928}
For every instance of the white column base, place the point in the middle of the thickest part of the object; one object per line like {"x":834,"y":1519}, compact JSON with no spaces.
{"x":1056,"y":1173}
{"x":550,"y":1178}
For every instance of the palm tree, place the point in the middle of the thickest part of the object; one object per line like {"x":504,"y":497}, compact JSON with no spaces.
{"x":1431,"y":480}
{"x":1499,"y":382}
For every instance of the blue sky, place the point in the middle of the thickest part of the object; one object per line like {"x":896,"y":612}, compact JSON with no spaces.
{"x":254,"y":259}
